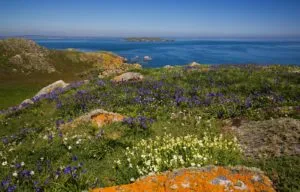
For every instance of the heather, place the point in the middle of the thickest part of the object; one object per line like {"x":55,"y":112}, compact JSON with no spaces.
{"x":41,"y":151}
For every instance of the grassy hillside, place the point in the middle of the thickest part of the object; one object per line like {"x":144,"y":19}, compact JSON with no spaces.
{"x":26,"y":67}
{"x":182,"y":116}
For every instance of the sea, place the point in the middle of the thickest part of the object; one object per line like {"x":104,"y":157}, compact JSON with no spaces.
{"x":183,"y":51}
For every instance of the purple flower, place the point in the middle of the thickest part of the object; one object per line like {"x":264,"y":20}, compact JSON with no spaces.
{"x":11,"y":188}
{"x":74,"y":158}
{"x":5,"y":140}
{"x":59,"y":122}
{"x":50,"y":137}
{"x":139,"y":121}
{"x":60,"y":134}
{"x":248,"y":103}
{"x":68,"y":170}
{"x":17,"y":165}
{"x":100,"y":83}
{"x":5,"y":183}
{"x":25,"y":173}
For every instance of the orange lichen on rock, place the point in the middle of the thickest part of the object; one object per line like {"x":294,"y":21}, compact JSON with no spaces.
{"x":106,"y":118}
{"x":207,"y":179}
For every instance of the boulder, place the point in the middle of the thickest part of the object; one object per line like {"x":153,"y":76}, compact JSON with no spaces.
{"x":110,"y":72}
{"x":147,"y":58}
{"x":51,"y":87}
{"x":211,"y":178}
{"x":27,"y":102}
{"x":195,"y":64}
{"x":99,"y":117}
{"x":267,"y":138}
{"x":168,"y":67}
{"x":129,"y":76}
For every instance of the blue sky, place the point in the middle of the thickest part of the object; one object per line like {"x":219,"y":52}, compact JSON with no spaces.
{"x":195,"y":18}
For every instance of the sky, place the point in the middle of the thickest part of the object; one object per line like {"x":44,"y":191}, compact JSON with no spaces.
{"x":186,"y":18}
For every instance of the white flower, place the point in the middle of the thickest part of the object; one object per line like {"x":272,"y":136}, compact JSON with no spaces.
{"x":4,"y":163}
{"x":15,"y":174}
{"x":132,"y":179}
{"x":31,"y":172}
{"x":22,"y":164}
{"x":42,"y":158}
{"x":118,"y":162}
{"x":78,"y":141}
{"x":69,"y":147}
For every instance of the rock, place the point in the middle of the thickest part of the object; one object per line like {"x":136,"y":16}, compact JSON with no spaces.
{"x":110,"y":72}
{"x":269,"y":138}
{"x":27,"y":102}
{"x":129,"y":76}
{"x":168,"y":67}
{"x":198,"y":179}
{"x":106,"y":118}
{"x":147,"y":58}
{"x":99,"y":117}
{"x":240,"y":185}
{"x":195,"y":64}
{"x":51,"y":87}
{"x":71,"y":49}
{"x":17,"y":59}
{"x":51,"y":70}
{"x":221,"y":180}
{"x":86,"y":81}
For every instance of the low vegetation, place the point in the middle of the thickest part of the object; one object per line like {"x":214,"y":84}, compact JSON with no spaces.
{"x":182,"y":116}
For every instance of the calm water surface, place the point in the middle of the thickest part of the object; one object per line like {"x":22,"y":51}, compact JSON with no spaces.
{"x":184,"y":51}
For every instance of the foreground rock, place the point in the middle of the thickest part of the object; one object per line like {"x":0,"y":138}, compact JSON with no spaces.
{"x":129,"y":76}
{"x":269,"y":138}
{"x":207,"y":179}
{"x":51,"y":87}
{"x":99,"y":117}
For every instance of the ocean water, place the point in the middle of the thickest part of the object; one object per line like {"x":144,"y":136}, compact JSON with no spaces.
{"x":184,"y":51}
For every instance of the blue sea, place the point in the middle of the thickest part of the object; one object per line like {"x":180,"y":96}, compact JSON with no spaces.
{"x":184,"y":51}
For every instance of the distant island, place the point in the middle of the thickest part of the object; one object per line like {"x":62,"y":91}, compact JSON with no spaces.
{"x":148,"y":39}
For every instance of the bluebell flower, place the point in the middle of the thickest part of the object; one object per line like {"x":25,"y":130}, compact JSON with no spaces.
{"x":74,"y":158}
{"x":11,"y":188}
{"x":67,"y":170}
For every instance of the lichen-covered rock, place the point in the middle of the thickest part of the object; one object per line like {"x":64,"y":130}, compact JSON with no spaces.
{"x":99,"y":117}
{"x":106,"y":118}
{"x":51,"y":87}
{"x":206,"y":179}
{"x":129,"y":76}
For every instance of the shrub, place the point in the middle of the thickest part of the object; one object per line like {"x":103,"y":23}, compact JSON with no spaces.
{"x":167,"y":152}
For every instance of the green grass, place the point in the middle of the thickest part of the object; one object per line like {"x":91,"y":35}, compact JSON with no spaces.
{"x":180,"y":102}
{"x":12,"y":94}
{"x":283,"y":171}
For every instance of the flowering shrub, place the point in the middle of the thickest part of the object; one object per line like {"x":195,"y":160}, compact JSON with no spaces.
{"x":167,"y":152}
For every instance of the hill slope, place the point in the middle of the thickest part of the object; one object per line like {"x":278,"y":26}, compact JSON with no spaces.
{"x":25,"y":67}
